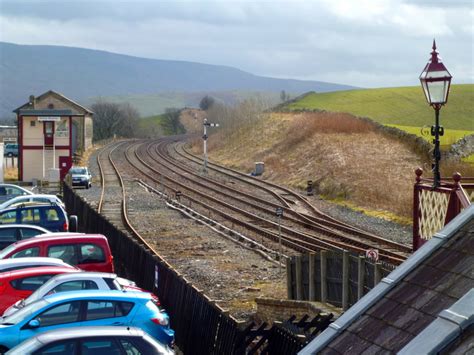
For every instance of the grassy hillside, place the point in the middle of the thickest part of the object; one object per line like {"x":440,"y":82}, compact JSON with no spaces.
{"x":404,"y":106}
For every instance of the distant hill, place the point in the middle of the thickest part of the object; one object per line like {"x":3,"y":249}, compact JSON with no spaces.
{"x":83,"y":73}
{"x":404,"y":106}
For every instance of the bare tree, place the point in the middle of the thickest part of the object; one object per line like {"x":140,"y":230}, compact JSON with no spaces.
{"x":113,"y":118}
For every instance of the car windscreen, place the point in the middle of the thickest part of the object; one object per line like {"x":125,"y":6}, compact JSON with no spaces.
{"x":22,"y":313}
{"x":79,"y":171}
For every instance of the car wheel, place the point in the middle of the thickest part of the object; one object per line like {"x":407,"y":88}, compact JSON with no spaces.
{"x":3,"y":349}
{"x":73,"y":223}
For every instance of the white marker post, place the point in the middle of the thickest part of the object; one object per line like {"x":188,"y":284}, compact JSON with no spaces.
{"x":204,"y":137}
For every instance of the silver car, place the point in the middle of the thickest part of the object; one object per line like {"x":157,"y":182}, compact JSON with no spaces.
{"x":79,"y":176}
{"x":26,"y":199}
{"x":11,"y":233}
{"x":74,"y":282}
{"x":92,"y":340}
{"x":27,"y":262}
{"x":8,"y":191}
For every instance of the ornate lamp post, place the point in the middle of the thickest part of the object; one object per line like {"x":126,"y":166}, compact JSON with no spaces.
{"x":436,"y":81}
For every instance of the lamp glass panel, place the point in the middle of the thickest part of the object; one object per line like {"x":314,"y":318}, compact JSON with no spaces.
{"x":436,"y":90}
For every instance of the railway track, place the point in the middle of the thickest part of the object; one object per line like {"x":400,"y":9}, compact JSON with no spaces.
{"x":249,"y":211}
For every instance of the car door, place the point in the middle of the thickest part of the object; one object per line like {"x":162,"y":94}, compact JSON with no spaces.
{"x":107,"y":312}
{"x":22,"y":287}
{"x":26,"y":233}
{"x":51,"y":219}
{"x":8,"y":217}
{"x":63,"y":315}
{"x":8,"y":235}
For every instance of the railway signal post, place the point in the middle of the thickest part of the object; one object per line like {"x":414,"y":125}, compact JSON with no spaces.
{"x":204,"y":137}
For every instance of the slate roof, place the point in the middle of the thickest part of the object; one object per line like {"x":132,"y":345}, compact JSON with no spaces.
{"x":409,"y":299}
{"x":26,"y":106}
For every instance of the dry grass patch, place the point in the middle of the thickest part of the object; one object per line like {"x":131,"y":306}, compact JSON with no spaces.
{"x":345,"y":157}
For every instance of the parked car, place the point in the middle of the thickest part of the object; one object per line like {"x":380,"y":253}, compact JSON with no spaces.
{"x":27,"y":262}
{"x":85,"y":308}
{"x":10,"y":150}
{"x":8,"y":191}
{"x":90,"y":252}
{"x":97,"y":340}
{"x":11,"y":233}
{"x":35,"y":198}
{"x":79,"y":176}
{"x":49,"y":216}
{"x":75,"y":282}
{"x":19,"y":284}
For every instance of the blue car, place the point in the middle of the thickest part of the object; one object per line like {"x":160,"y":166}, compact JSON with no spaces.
{"x":86,"y":308}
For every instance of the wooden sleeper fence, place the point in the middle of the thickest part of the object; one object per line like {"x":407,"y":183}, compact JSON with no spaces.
{"x":201,"y":326}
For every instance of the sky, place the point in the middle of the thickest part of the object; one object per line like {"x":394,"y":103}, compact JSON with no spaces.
{"x":365,"y":43}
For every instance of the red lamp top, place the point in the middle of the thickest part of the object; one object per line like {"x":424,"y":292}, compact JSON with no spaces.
{"x":435,"y":80}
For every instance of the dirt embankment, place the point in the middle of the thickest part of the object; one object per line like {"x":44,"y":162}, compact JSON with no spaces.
{"x":347,"y":158}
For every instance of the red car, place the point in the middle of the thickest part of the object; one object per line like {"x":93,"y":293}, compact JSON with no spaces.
{"x":18,"y":284}
{"x":90,"y":252}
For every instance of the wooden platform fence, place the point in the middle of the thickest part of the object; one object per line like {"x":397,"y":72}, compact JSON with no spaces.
{"x":340,"y":279}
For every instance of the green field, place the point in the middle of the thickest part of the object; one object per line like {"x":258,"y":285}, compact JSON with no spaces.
{"x":405,"y":106}
{"x":450,"y":135}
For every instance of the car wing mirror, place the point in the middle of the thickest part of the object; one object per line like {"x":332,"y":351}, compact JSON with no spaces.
{"x":34,"y":323}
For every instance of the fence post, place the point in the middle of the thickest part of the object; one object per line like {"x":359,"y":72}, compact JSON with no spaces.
{"x":312,"y":277}
{"x":360,"y":277}
{"x":289,"y":279}
{"x":324,"y":286}
{"x":377,"y":273}
{"x":345,"y":280}
{"x":299,"y":279}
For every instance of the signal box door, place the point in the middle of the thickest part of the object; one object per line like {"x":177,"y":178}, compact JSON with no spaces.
{"x":48,"y":130}
{"x":65,"y":164}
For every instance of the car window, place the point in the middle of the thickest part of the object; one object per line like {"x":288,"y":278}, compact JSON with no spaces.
{"x":107,"y":309}
{"x":60,"y":314}
{"x":8,"y":234}
{"x":31,"y":283}
{"x":92,"y":253}
{"x":112,"y":283}
{"x":52,"y":215}
{"x":8,"y":217}
{"x":64,"y":347}
{"x":100,"y":347}
{"x":75,"y":285}
{"x":29,"y":232}
{"x":30,"y":215}
{"x":11,"y":190}
{"x":131,"y":349}
{"x":33,"y":251}
{"x":67,"y":253}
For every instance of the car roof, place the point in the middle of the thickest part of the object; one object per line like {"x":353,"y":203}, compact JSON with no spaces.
{"x":56,"y":234}
{"x":84,"y":275}
{"x":31,"y":260}
{"x":90,"y":331}
{"x":60,"y":237}
{"x":33,"y":205}
{"x":30,"y":271}
{"x":30,"y":226}
{"x":118,"y":295}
